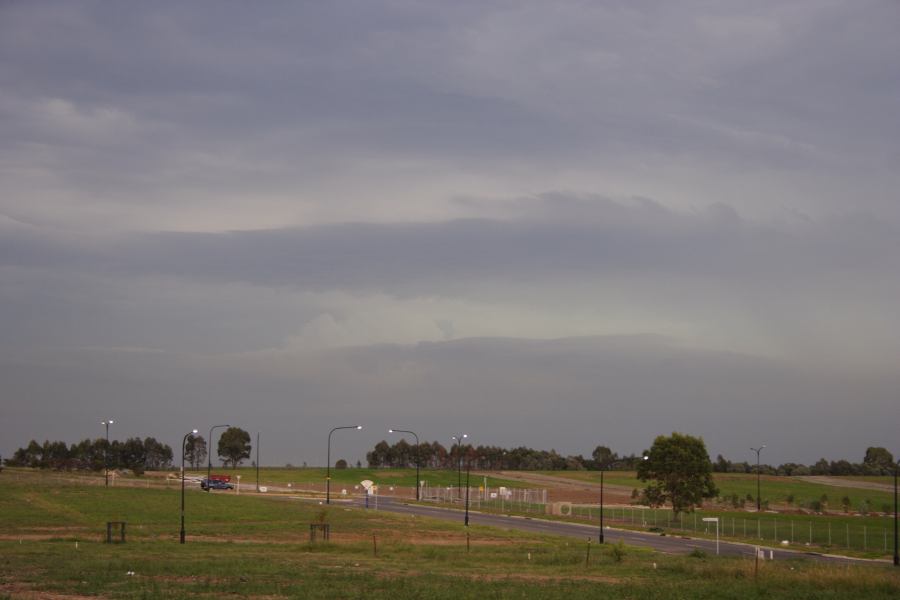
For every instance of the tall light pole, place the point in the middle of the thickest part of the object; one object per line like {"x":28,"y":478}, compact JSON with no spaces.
{"x":758,"y":450}
{"x":107,"y":422}
{"x":183,"y":444}
{"x":417,"y":454}
{"x":209,"y":456}
{"x":602,"y":470}
{"x":458,"y":438}
{"x":467,"y":493}
{"x":896,"y":553}
{"x":328,"y":465}
{"x":257,"y":462}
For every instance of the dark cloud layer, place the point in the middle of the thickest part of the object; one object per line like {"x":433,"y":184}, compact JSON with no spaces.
{"x":568,"y":394}
{"x":309,"y":212}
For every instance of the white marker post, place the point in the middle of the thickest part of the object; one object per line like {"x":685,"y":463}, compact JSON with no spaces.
{"x":716,"y":521}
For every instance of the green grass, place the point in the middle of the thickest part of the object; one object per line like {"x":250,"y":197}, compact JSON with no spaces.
{"x":315,"y":476}
{"x":777,"y":490}
{"x":254,"y":547}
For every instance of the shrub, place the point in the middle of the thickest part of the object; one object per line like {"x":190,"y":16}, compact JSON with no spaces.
{"x":618,"y":551}
{"x":698,"y":553}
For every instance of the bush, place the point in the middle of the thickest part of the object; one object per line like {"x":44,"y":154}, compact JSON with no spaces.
{"x":698,"y":553}
{"x":618,"y":551}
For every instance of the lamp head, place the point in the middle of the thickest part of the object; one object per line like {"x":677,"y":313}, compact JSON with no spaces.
{"x":194,"y":431}
{"x":359,"y":426}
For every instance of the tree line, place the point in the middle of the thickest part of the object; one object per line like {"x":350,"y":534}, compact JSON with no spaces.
{"x":877,"y":461}
{"x":402,"y":454}
{"x":135,"y":454}
{"x":434,"y":455}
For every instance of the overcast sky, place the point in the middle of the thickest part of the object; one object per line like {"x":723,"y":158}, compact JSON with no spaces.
{"x":553,"y":224}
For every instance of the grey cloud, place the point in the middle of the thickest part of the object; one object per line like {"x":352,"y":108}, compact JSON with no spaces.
{"x":555,"y":237}
{"x":570,"y":394}
{"x":476,"y":86}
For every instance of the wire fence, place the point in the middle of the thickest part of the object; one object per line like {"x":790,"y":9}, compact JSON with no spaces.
{"x":857,"y":533}
{"x":496,"y":499}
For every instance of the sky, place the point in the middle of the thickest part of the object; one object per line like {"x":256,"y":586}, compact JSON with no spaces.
{"x":551,"y":224}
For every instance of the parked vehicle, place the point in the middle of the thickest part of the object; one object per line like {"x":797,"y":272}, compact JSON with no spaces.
{"x":215,"y":484}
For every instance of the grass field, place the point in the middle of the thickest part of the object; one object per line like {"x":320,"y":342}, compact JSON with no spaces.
{"x":348,"y":477}
{"x":258,"y":547}
{"x":777,"y":490}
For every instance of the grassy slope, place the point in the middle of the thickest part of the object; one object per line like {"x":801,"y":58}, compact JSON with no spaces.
{"x":345,"y":477}
{"x":252,"y":546}
{"x":774,"y":489}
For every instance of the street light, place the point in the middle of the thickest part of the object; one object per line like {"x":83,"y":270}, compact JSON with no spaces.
{"x":328,"y":465}
{"x":468,"y":464}
{"x":757,"y":450}
{"x":459,"y":437}
{"x":209,"y":456}
{"x":107,"y":422}
{"x":602,"y":470}
{"x":417,"y":454}
{"x":183,"y":444}
{"x":896,"y":553}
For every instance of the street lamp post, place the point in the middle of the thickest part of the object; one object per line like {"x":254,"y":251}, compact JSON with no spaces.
{"x":183,"y":445}
{"x":467,"y":492}
{"x":602,"y":470}
{"x":896,"y":553}
{"x":107,"y":422}
{"x":328,"y":465}
{"x":459,"y":437}
{"x":209,"y":456}
{"x":758,"y":502}
{"x":417,"y":454}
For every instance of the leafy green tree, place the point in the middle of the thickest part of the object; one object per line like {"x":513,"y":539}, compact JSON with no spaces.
{"x":234,"y":446}
{"x":878,"y":459}
{"x":680,"y":472}
{"x":603,"y":457}
{"x":156,"y":454}
{"x":195,"y":450}
{"x":133,"y":455}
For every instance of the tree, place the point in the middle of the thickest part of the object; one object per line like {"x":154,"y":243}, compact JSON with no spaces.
{"x":603,"y":457}
{"x":234,"y":446}
{"x":878,"y":460}
{"x":133,"y":455}
{"x":195,"y":450}
{"x":680,"y":471}
{"x":157,"y":455}
{"x":340,"y":464}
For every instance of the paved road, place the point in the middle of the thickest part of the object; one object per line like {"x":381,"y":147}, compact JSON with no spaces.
{"x":668,"y":544}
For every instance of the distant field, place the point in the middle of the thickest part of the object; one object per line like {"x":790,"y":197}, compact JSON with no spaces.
{"x":776,"y":490}
{"x":258,"y":547}
{"x":315,"y":476}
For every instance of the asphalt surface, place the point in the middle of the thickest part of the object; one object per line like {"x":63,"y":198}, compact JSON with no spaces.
{"x":668,"y":544}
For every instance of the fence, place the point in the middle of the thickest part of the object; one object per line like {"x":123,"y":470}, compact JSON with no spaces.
{"x":497,"y":499}
{"x":874,"y":534}
{"x":823,"y":531}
